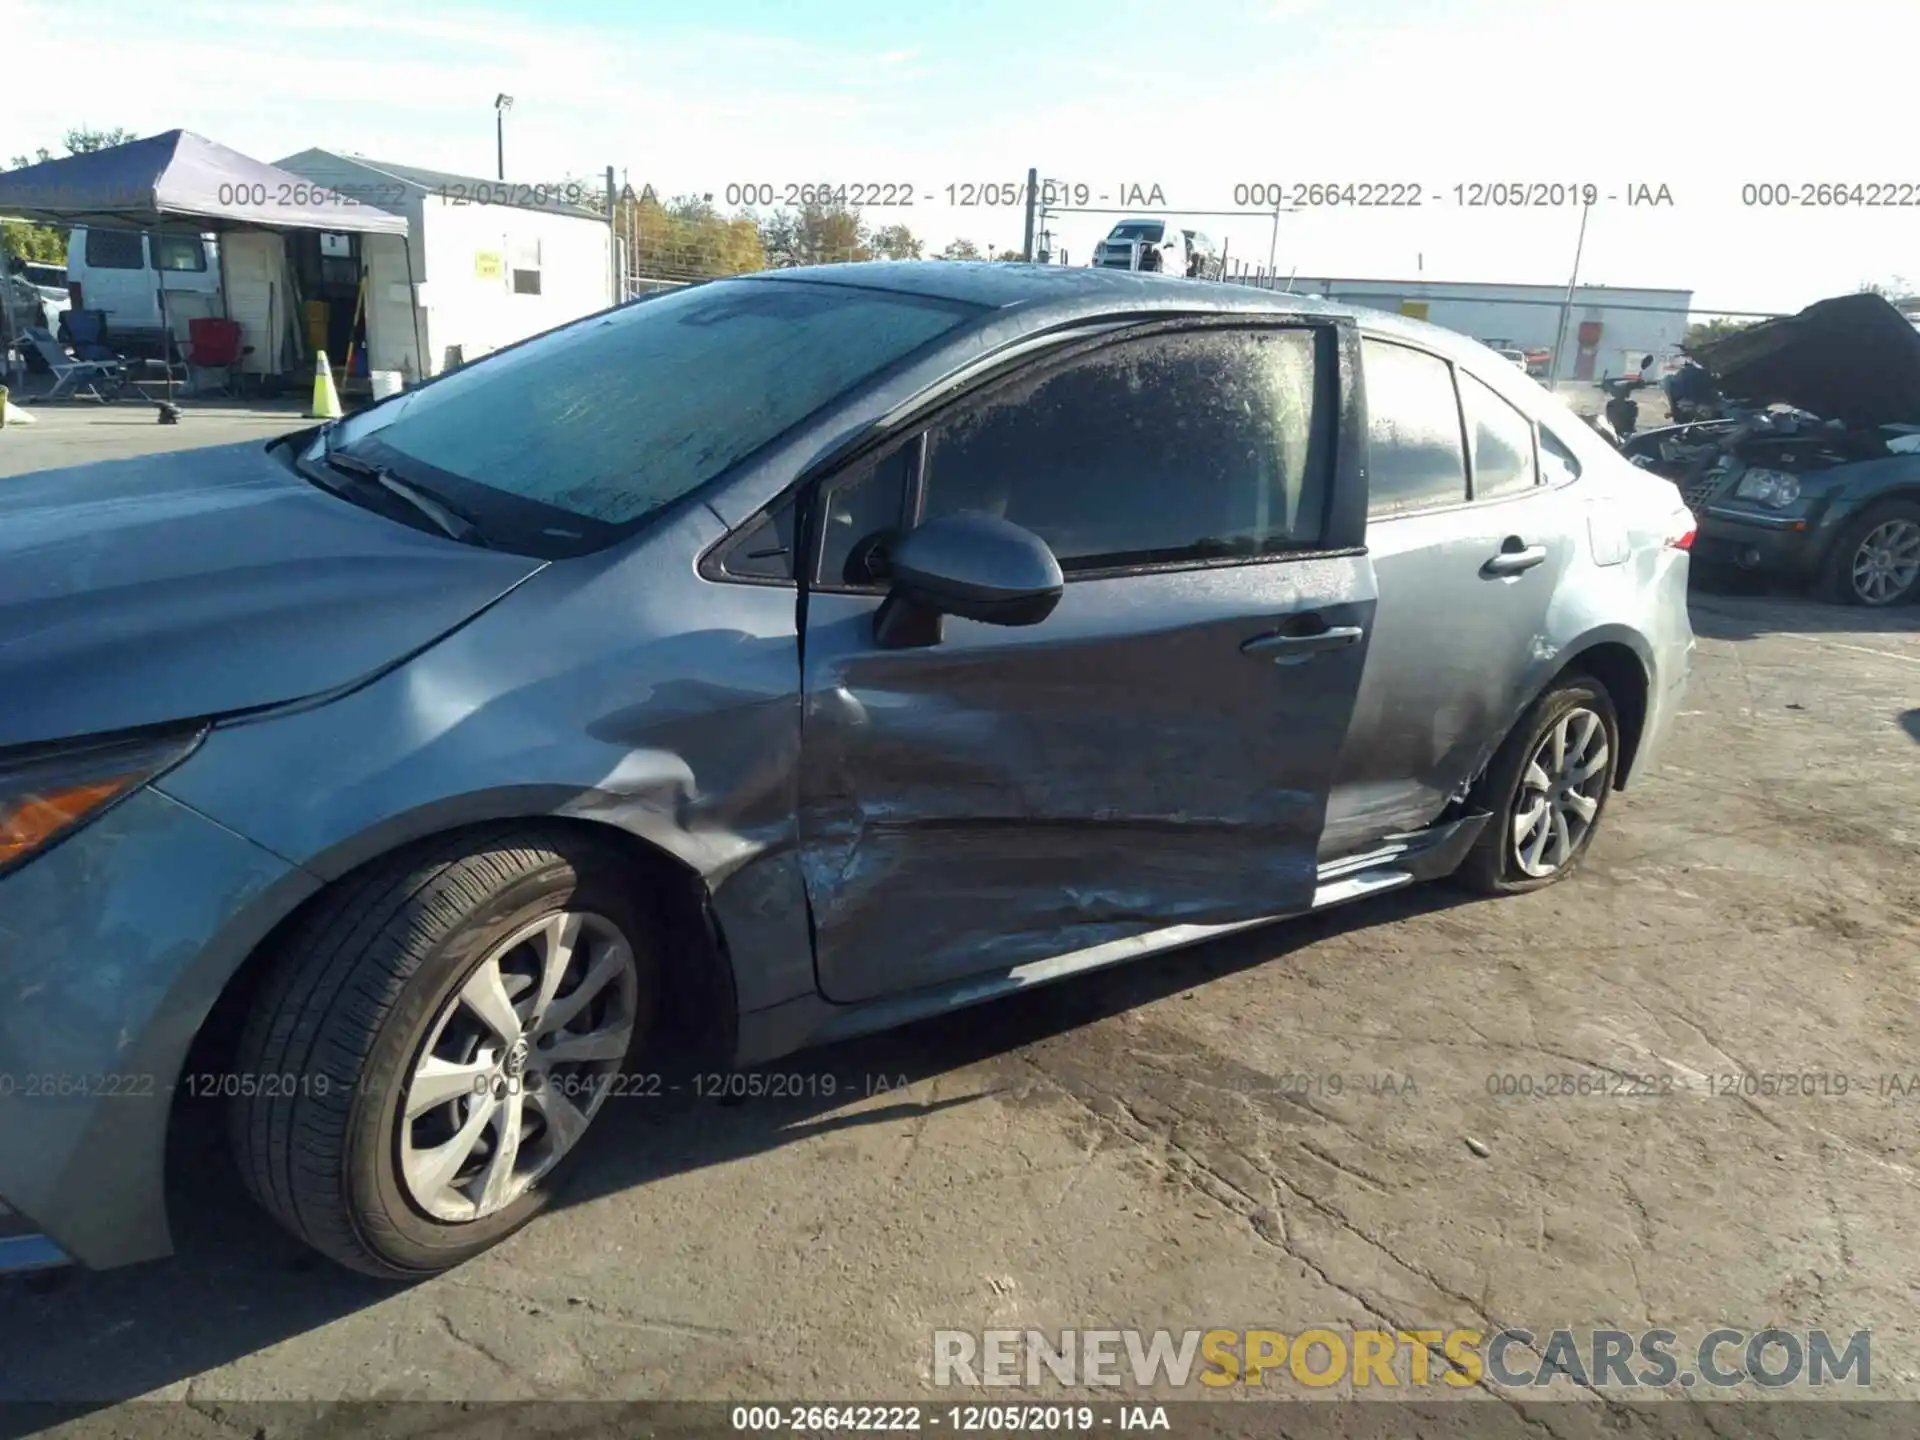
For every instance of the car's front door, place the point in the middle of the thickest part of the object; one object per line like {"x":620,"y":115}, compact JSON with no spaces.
{"x":1468,"y":548}
{"x":1157,"y":752}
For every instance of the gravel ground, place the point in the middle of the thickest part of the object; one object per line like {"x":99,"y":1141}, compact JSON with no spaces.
{"x":1162,"y":1145}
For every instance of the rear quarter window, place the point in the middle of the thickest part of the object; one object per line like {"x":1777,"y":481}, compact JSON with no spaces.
{"x":114,"y":250}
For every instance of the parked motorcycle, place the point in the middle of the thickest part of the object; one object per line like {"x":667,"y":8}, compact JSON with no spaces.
{"x":1622,"y":410}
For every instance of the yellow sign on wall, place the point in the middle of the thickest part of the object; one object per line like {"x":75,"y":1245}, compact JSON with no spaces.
{"x":1414,"y":309}
{"x":488,"y":265}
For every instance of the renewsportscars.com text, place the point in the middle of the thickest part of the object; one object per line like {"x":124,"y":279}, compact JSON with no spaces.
{"x":1378,"y":1359}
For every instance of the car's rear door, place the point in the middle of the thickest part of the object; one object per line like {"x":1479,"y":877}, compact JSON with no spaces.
{"x":1157,"y":752}
{"x":1470,"y":536}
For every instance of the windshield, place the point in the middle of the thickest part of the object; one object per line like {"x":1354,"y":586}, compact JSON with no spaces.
{"x":1148,"y":230}
{"x":613,"y":417}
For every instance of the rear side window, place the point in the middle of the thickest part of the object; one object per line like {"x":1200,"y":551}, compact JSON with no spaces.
{"x":1164,"y":449}
{"x":1502,"y":442}
{"x":1558,"y":464}
{"x":179,"y":252}
{"x":114,"y":250}
{"x":1417,"y":460}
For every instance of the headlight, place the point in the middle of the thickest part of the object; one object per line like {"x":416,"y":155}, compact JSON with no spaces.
{"x":45,"y":794}
{"x":1773,"y":488}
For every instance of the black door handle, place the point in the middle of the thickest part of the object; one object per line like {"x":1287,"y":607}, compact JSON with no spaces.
{"x":1284,"y":648}
{"x":1515,"y":556}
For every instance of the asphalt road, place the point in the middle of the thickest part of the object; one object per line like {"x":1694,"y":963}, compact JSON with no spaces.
{"x":1269,"y":1130}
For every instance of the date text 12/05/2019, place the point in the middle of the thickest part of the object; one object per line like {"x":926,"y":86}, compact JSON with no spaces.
{"x":961,"y":195}
{"x":1281,"y":195}
{"x":960,"y":1419}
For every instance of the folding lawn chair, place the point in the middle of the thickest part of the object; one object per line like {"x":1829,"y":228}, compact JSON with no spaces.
{"x":213,"y":345}
{"x":87,"y":334}
{"x":75,"y":377}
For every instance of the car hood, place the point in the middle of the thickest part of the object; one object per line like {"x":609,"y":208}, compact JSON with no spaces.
{"x":1853,"y":358}
{"x":202,"y":582}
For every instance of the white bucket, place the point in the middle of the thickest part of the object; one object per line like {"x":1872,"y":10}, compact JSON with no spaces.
{"x":385,"y":383}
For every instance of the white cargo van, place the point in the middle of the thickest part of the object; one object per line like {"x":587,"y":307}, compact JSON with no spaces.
{"x":121,"y":271}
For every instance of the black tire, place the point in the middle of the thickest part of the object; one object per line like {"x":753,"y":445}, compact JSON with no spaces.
{"x":333,"y":1034}
{"x":1835,"y":580}
{"x":1491,"y":866}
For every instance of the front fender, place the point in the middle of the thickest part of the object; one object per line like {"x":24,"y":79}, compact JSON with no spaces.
{"x":114,"y":946}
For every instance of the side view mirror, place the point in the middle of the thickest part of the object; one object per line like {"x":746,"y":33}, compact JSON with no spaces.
{"x":978,"y":567}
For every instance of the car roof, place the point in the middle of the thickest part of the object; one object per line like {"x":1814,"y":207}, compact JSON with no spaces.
{"x":1051,"y":294}
{"x":1041,"y":297}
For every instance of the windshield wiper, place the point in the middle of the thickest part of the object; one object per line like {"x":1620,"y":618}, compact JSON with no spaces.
{"x":449,"y":520}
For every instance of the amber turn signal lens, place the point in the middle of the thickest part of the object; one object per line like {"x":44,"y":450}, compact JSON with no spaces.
{"x":30,"y":821}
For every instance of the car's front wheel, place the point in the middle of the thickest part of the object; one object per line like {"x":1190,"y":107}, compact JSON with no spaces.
{"x":435,"y":1037}
{"x":1546,"y":790}
{"x":1875,"y":560}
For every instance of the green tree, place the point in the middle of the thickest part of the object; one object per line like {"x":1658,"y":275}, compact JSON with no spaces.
{"x":81,"y":141}
{"x":815,"y":234}
{"x":961,"y":249}
{"x":48,"y":243}
{"x":896,"y":242}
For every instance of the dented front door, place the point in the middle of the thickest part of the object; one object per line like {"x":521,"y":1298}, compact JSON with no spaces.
{"x":1157,"y":752}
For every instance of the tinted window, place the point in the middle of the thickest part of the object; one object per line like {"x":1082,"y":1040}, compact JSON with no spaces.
{"x":114,"y":250}
{"x":1164,"y":449}
{"x":1413,"y":429}
{"x":1502,"y":442}
{"x":858,"y":515}
{"x":1557,"y":462}
{"x":1149,"y":230}
{"x":616,"y":415}
{"x":179,"y":252}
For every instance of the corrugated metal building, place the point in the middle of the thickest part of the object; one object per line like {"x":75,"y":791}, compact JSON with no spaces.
{"x":485,"y":263}
{"x":1608,"y":329}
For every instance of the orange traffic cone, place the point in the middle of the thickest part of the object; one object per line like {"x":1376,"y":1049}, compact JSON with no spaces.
{"x":326,"y":400}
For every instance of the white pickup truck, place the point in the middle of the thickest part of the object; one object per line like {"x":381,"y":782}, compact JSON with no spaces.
{"x":1162,"y":246}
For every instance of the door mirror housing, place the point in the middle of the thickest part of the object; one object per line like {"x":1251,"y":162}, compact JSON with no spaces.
{"x":978,"y":567}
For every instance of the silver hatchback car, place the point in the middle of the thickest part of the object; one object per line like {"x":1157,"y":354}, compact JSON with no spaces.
{"x":800,"y":653}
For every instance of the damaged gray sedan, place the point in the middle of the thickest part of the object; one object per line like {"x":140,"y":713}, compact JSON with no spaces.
{"x":782,"y":658}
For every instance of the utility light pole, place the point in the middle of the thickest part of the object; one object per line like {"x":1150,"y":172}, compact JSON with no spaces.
{"x":501,"y":104}
{"x":1566,"y":307}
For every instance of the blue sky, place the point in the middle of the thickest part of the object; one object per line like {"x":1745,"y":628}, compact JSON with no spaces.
{"x":1194,"y":97}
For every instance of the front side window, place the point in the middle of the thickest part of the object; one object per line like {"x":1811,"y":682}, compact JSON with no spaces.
{"x":614,"y":416}
{"x":858,"y":515}
{"x":115,"y":250}
{"x":1165,"y":449}
{"x":179,"y":252}
{"x":1416,"y":459}
{"x":1502,"y":442}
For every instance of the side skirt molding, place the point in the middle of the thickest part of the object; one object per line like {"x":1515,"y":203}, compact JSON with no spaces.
{"x":812,"y":1020}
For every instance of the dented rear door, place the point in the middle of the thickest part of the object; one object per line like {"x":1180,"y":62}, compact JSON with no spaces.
{"x":1158,"y":751}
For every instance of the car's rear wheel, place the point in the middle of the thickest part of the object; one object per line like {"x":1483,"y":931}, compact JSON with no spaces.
{"x":1546,"y":790}
{"x":434,"y":1039}
{"x":1875,"y":560}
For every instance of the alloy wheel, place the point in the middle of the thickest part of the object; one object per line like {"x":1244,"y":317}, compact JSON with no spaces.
{"x":1559,"y":794}
{"x":515,"y":1065}
{"x":1887,"y":564}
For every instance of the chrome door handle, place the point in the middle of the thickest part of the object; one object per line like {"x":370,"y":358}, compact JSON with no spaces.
{"x":1287,"y":649}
